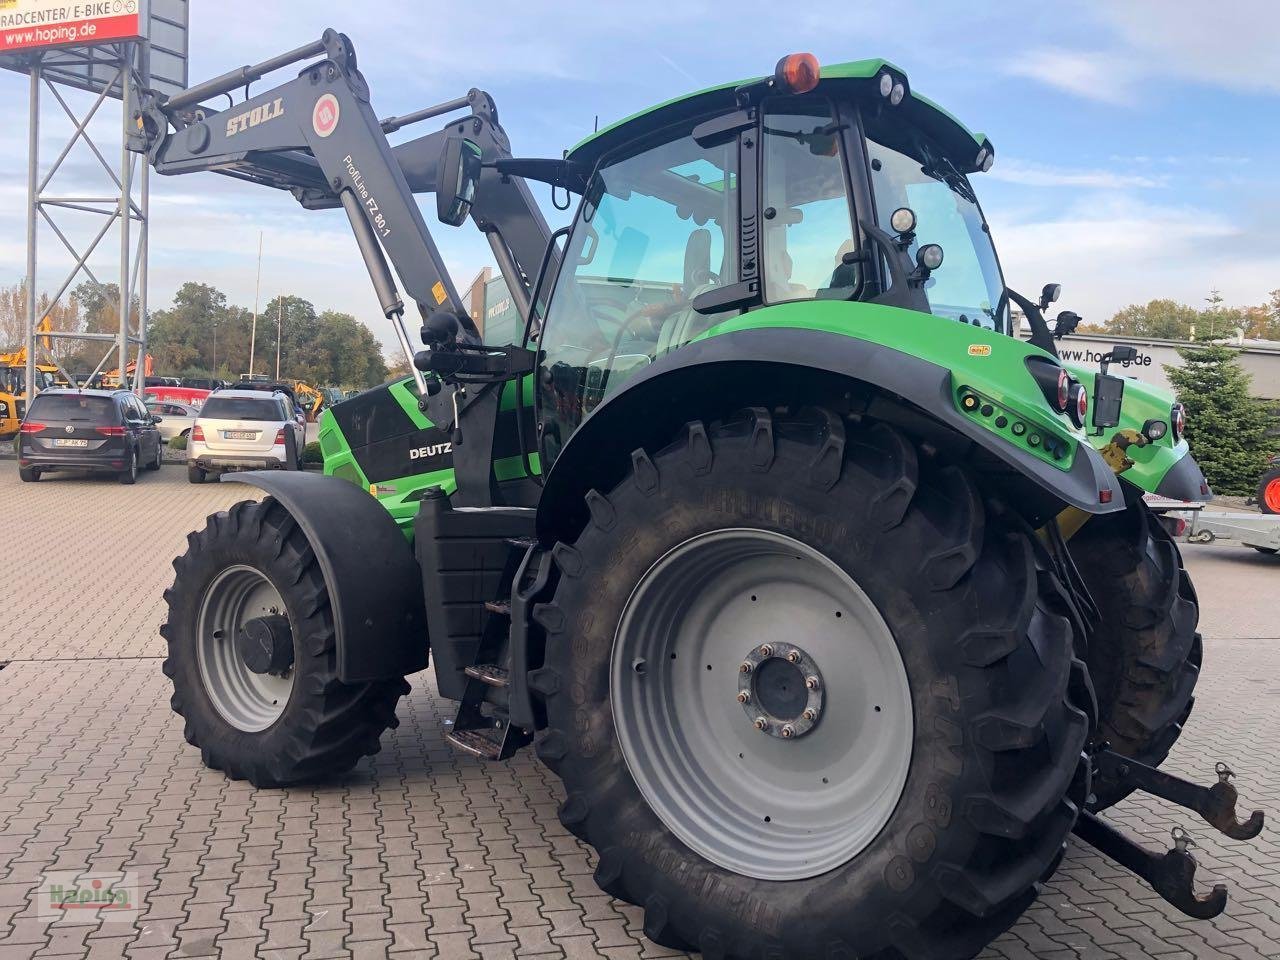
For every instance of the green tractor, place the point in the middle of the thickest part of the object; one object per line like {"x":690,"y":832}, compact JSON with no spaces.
{"x":784,"y":553}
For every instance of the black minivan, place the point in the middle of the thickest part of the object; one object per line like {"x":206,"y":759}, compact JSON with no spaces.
{"x":104,"y":431}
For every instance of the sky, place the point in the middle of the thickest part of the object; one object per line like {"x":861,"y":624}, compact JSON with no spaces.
{"x":1137,"y":146}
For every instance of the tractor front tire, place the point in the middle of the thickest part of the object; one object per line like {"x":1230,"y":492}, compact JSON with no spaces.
{"x":809,"y":696}
{"x":251,"y":578}
{"x":1145,"y":656}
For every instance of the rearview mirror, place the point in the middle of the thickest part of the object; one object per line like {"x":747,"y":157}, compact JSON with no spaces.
{"x":1050,"y":294}
{"x":1124,"y":354}
{"x":157,"y":419}
{"x":1066,"y":324}
{"x":456,"y":179}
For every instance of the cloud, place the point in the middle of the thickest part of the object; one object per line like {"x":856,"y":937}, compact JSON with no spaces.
{"x":1029,"y":174}
{"x":1234,"y":45}
{"x":1142,"y":43}
{"x":1103,"y":77}
{"x":1109,"y":250}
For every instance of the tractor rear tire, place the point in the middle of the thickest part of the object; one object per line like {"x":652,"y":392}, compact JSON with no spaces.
{"x":1145,"y":655}
{"x":287,"y":724}
{"x":1269,"y":492}
{"x":991,"y":777}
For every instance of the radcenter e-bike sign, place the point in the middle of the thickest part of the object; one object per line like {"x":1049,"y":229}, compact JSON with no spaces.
{"x":35,"y":24}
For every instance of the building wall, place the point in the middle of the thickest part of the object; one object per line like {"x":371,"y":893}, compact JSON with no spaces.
{"x":1260,"y":359}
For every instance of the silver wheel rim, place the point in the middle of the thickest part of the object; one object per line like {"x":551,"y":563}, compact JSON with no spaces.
{"x":248,"y":701}
{"x":752,"y":800}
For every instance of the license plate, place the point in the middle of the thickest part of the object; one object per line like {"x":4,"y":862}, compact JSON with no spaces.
{"x":70,"y":443}
{"x":241,"y":435}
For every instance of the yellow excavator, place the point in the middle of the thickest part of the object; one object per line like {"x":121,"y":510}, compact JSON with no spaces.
{"x":13,"y":387}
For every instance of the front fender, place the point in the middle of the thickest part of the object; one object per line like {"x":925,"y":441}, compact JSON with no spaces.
{"x":373,"y":580}
{"x":1164,"y":467}
{"x":656,"y":394}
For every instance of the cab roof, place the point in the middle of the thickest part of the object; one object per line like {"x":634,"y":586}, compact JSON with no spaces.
{"x":854,"y":77}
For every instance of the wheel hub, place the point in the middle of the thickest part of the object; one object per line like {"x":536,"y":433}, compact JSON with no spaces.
{"x":266,"y":645}
{"x":698,"y":673}
{"x":244,"y":646}
{"x":781,"y":690}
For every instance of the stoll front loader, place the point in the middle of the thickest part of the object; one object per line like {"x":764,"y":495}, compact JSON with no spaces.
{"x":788,"y":558}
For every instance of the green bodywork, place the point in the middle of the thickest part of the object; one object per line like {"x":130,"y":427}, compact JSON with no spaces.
{"x":1142,"y":402}
{"x":401,"y":496}
{"x":853,"y":70}
{"x":982,"y":362}
{"x":991,"y":383}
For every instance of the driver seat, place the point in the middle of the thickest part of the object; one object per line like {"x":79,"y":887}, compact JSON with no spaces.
{"x":685,"y":323}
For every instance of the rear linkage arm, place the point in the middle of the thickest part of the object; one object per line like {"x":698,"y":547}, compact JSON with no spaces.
{"x":1171,"y":874}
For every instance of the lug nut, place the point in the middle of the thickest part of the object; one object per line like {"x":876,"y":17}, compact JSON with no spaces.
{"x":745,"y":668}
{"x":761,"y":723}
{"x":766,"y":650}
{"x":744,"y":697}
{"x":793,"y":656}
{"x":788,"y":731}
{"x":812,"y":683}
{"x":810,"y":715}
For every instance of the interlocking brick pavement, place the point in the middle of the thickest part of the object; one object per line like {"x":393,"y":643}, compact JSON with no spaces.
{"x":420,"y":851}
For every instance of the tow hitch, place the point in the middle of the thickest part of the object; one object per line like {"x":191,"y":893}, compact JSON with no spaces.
{"x":1216,"y":804}
{"x":1171,"y":874}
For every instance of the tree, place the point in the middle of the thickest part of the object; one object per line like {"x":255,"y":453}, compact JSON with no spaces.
{"x":183,"y":335}
{"x":398,"y":367}
{"x":1161,"y":319}
{"x":1226,"y":427}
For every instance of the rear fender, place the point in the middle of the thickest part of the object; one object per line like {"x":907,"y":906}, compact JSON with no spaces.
{"x":692,"y":382}
{"x":374,"y":584}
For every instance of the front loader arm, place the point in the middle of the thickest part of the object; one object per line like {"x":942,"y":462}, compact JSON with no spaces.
{"x":318,"y":137}
{"x":315,"y":133}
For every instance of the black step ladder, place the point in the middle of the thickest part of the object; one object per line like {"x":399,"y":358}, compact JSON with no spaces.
{"x":507,"y":724}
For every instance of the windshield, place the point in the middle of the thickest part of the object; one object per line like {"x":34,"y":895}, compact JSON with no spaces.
{"x":968,"y":286}
{"x":241,"y":408}
{"x":649,"y":237}
{"x":63,"y":407}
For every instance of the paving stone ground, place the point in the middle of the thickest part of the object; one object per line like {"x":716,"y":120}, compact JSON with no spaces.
{"x":421,"y":851}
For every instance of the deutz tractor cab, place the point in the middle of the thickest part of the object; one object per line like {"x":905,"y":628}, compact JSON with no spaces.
{"x":763,"y":193}
{"x":798,"y":566}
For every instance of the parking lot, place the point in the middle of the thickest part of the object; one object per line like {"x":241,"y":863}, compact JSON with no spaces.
{"x":426,"y":852}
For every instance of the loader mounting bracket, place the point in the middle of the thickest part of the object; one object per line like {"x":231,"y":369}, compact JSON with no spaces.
{"x":1171,"y":874}
{"x":1216,"y":804}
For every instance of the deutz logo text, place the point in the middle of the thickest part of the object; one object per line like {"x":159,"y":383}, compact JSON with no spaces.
{"x":435,"y":450}
{"x":251,"y":118}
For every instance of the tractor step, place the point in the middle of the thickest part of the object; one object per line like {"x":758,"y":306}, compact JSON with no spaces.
{"x":477,"y":743}
{"x":495,"y":741}
{"x":490,"y":673}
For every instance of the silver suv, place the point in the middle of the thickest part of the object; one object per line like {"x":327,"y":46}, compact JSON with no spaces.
{"x":239,"y":429}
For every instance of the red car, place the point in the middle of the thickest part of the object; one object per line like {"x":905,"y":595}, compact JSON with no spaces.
{"x":1269,"y":488}
{"x":188,"y":395}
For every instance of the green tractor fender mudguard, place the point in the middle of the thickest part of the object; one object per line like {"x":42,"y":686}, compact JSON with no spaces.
{"x":733,"y":365}
{"x":371,"y":576}
{"x":1165,"y":466}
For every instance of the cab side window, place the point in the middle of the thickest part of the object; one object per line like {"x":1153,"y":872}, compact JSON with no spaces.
{"x":808,"y":234}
